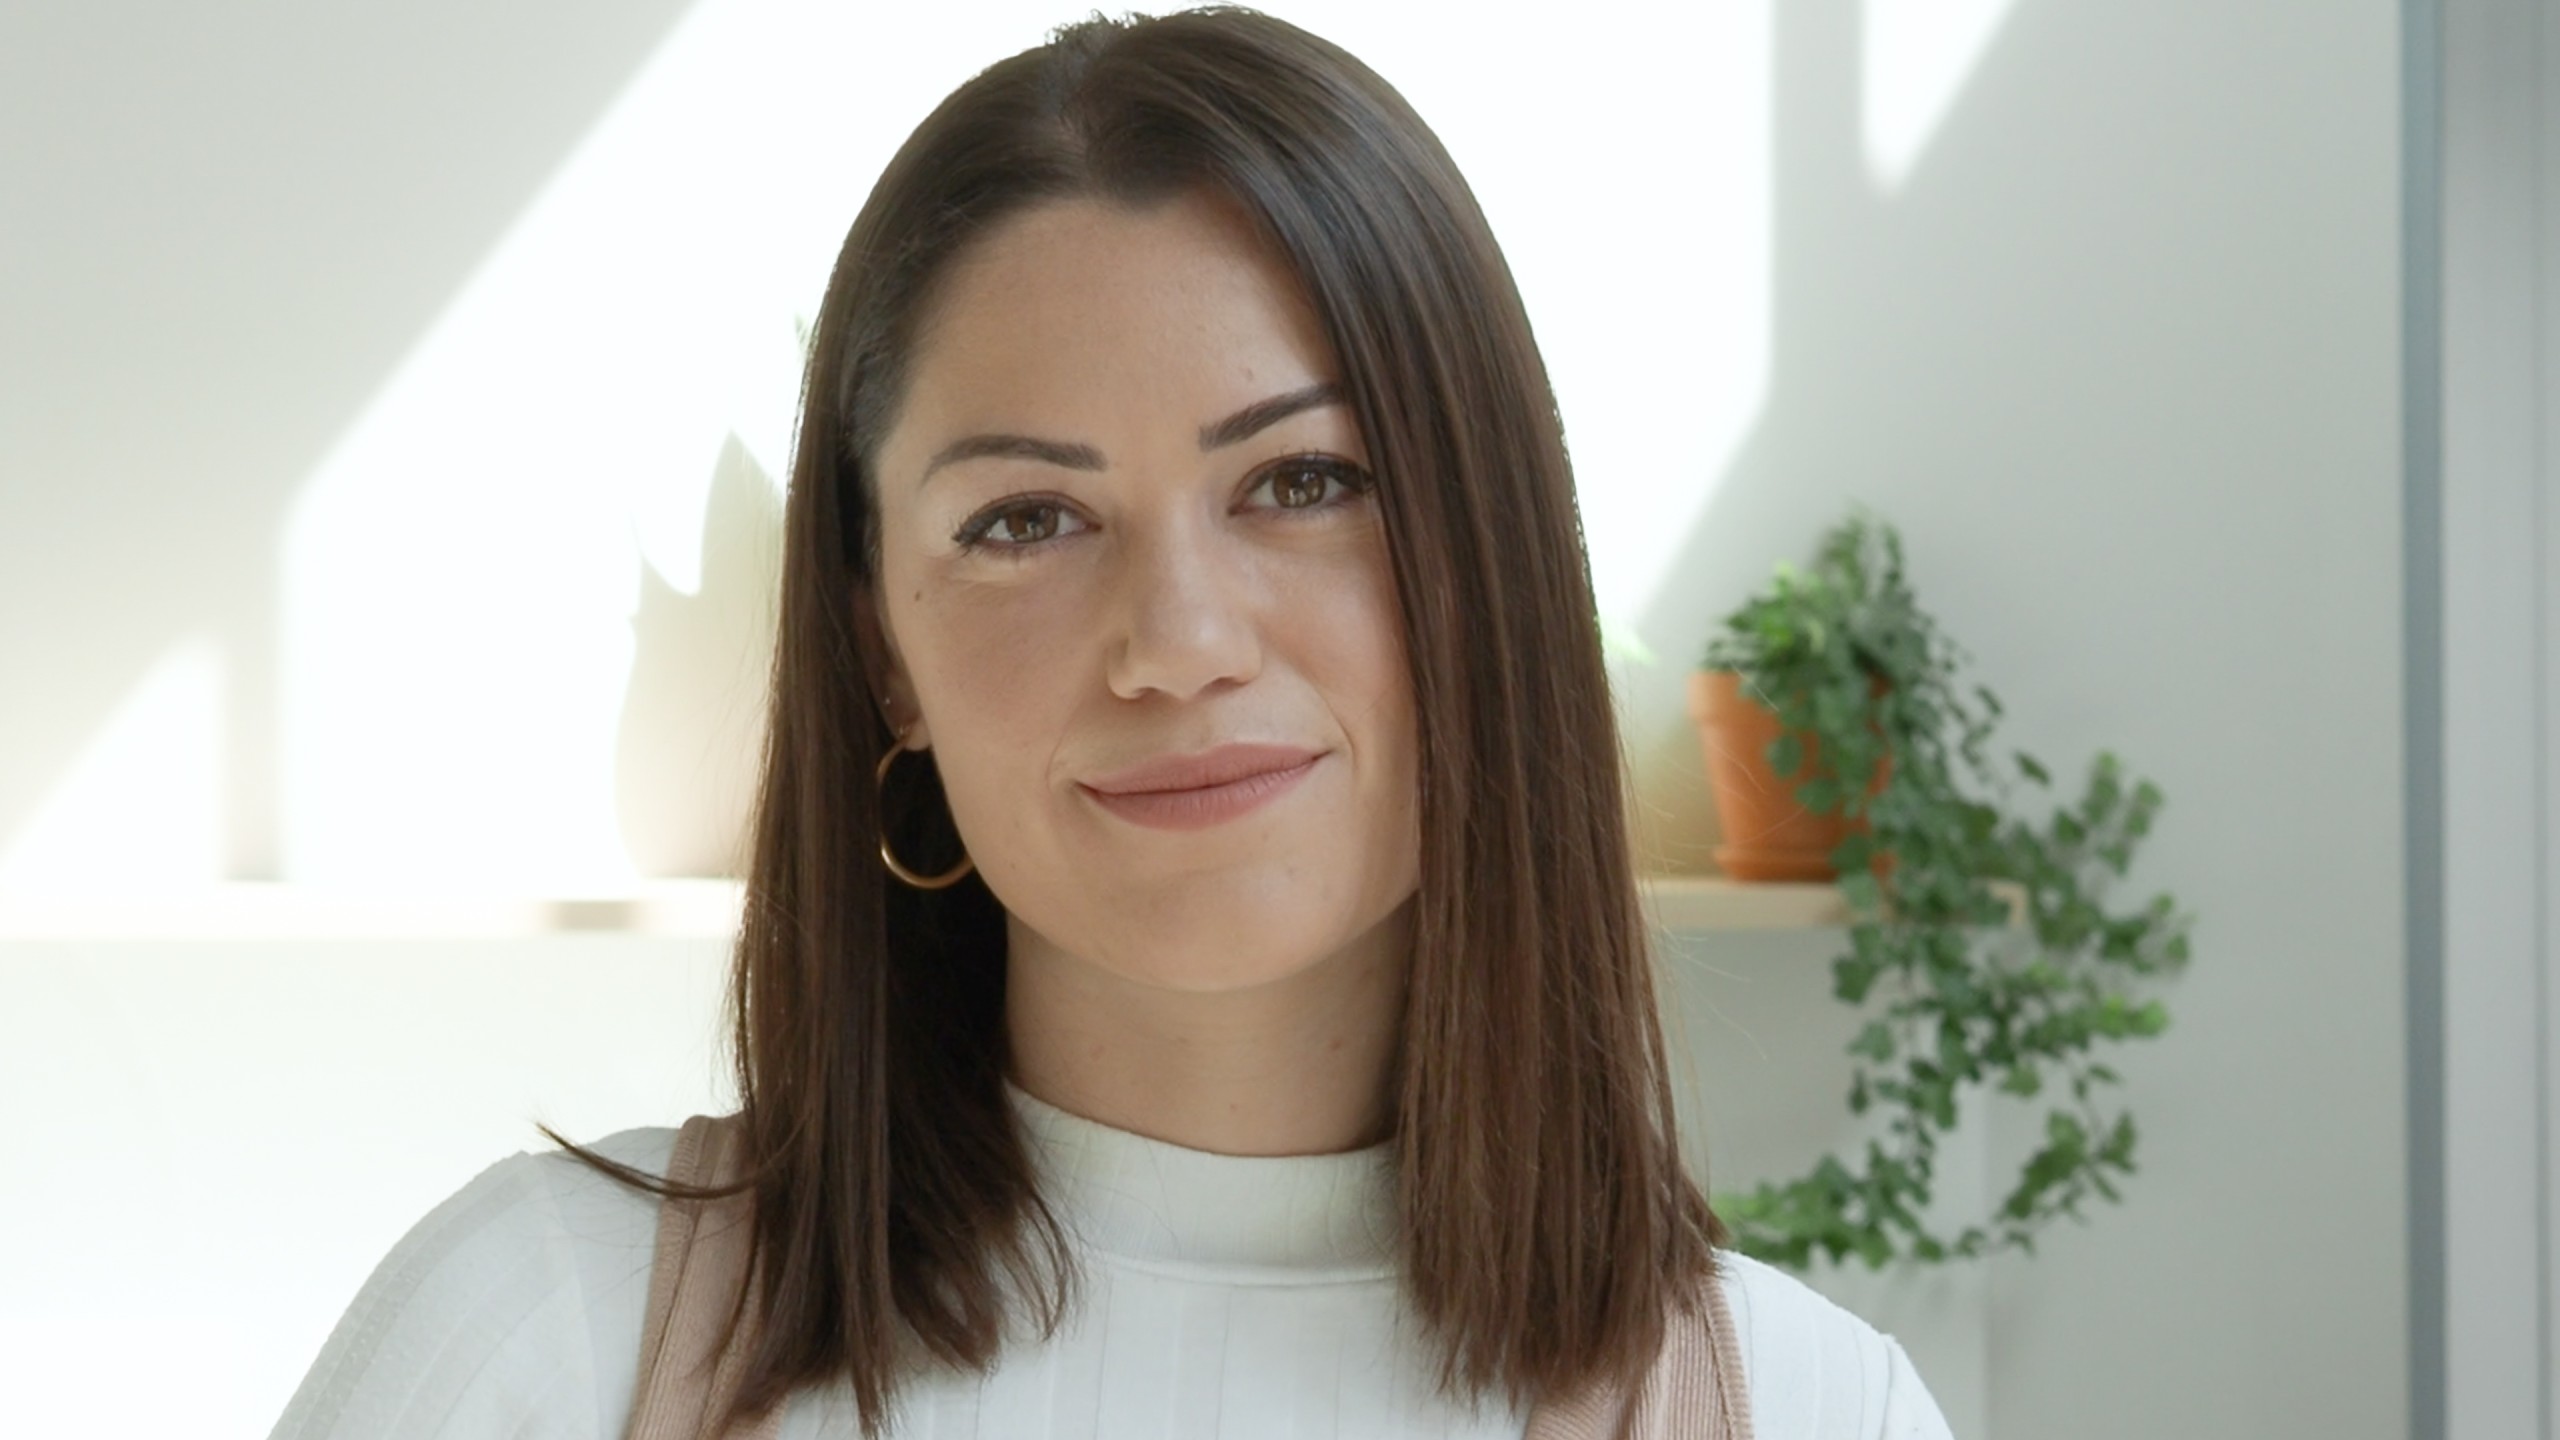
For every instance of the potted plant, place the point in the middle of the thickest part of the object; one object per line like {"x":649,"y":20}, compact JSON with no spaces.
{"x":1754,"y":767}
{"x":1857,"y":680}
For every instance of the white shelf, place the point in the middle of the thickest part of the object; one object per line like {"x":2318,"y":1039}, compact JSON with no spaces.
{"x":700,"y":909}
{"x":1700,"y":903}
{"x":1696,"y":904}
{"x":251,"y":911}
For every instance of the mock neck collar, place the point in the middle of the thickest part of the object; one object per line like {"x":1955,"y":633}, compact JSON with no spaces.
{"x":1273,"y":1217}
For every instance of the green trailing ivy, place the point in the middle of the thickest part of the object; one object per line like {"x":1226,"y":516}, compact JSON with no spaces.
{"x":1953,"y":997}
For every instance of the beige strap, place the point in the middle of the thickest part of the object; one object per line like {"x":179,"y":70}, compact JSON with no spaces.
{"x":700,"y":1263}
{"x":1695,"y":1390}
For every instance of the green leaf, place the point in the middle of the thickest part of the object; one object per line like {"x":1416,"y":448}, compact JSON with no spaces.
{"x":1620,"y":639}
{"x":1874,"y":1041}
{"x":1853,"y":853}
{"x":2064,"y":1130}
{"x":1786,"y":756}
{"x":1853,"y":975}
{"x":1874,"y":1249}
{"x":2118,"y":1147}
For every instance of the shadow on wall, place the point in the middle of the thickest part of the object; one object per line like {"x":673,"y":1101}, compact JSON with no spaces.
{"x":1987,"y":352}
{"x":692,"y":731}
{"x":248,"y":231}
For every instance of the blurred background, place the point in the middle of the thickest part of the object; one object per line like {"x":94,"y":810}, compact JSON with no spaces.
{"x":392,"y":405}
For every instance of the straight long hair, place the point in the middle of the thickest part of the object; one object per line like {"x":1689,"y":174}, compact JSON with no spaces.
{"x":1548,"y":1227}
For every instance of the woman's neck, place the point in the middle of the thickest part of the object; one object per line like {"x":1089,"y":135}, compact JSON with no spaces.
{"x":1301,"y":1065}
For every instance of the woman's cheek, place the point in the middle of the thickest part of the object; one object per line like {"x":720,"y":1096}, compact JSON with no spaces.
{"x":997,"y":684}
{"x":995,"y":648}
{"x":1350,"y":603}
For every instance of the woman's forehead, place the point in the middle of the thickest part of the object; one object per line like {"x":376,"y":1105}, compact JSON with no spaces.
{"x":1089,"y":311}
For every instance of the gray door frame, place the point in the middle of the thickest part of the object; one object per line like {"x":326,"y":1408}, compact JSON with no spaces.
{"x":2482,"y":168}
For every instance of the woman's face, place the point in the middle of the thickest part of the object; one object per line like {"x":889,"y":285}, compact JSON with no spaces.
{"x":1124,"y":525}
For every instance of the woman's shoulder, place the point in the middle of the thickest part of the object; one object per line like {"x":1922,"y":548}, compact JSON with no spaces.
{"x":516,"y":1301}
{"x":1814,"y":1369}
{"x":552,"y":1204}
{"x":1769,"y":1301}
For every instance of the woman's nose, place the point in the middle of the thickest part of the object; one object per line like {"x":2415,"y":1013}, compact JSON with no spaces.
{"x":1186,"y":616}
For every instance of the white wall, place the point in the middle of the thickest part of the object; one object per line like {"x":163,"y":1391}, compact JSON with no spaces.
{"x":2095,"y":298}
{"x":2120,"y":356}
{"x":227,"y":227}
{"x":213,"y":1143}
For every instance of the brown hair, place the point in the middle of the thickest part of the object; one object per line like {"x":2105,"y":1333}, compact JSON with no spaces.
{"x":1547,"y":1223}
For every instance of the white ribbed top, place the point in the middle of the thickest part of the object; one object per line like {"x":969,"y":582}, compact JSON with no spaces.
{"x":1290,"y":1220}
{"x":1226,"y":1296}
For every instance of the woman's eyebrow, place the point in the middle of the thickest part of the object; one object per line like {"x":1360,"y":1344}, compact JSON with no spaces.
{"x":1253,"y":419}
{"x":1013,"y":447}
{"x":1263,"y":414}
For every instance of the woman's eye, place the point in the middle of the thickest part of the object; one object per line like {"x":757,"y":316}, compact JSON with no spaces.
{"x":1014,"y":527}
{"x":1303,"y":484}
{"x":1028,"y":524}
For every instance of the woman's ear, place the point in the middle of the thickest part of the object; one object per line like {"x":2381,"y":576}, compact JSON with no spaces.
{"x":885,"y":670}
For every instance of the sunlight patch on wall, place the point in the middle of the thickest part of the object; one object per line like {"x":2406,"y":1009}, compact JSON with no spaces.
{"x":1916,"y":56}
{"x":141,"y":809}
{"x":462,"y":572}
{"x":1623,"y":159}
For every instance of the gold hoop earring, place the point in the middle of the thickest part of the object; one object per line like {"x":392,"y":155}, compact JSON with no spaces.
{"x":942,"y":881}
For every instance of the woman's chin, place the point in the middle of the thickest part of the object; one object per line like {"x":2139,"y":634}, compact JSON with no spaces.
{"x":1208,"y":960}
{"x":1232,"y":927}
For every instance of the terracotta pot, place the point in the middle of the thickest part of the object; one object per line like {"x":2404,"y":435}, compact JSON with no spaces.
{"x":1768,"y":833}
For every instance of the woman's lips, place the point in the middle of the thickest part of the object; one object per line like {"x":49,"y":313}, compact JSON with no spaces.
{"x":1196,"y":792}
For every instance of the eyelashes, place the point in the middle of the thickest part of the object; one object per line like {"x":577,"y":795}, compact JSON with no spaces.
{"x":1021,"y":524}
{"x":1014,"y":517}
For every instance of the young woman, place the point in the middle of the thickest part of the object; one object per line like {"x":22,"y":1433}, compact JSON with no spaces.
{"x":1192,"y":981}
